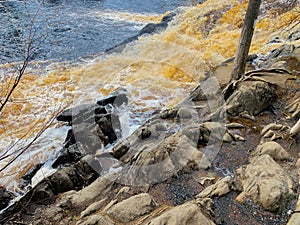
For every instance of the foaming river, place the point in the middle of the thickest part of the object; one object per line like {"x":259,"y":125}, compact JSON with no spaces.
{"x":157,"y":71}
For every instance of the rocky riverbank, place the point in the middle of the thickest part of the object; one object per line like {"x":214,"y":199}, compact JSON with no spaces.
{"x":227,"y":154}
{"x":222,"y":156}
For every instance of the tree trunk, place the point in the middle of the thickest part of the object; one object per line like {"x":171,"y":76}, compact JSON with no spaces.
{"x":245,"y":39}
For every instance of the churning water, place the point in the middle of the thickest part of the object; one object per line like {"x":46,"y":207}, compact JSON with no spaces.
{"x":68,"y":29}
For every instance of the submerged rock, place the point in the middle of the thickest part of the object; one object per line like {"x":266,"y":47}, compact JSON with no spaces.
{"x":150,"y":28}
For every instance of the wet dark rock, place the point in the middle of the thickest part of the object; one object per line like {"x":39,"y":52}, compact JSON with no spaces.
{"x":86,"y":136}
{"x":86,"y":113}
{"x":43,"y":193}
{"x":81,"y":112}
{"x":150,"y":28}
{"x":145,"y":133}
{"x":5,"y":197}
{"x":26,"y":178}
{"x":84,"y":141}
{"x":153,"y":28}
{"x":114,"y":100}
{"x":109,"y":128}
{"x":121,"y":148}
{"x":92,"y":128}
{"x":68,"y":156}
{"x":74,"y":177}
{"x":61,"y":30}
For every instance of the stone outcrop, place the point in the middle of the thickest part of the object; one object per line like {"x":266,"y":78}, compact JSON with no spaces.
{"x":284,"y":57}
{"x":92,"y":128}
{"x":74,"y":177}
{"x":148,"y":159}
{"x":264,"y":181}
{"x":220,"y":188}
{"x":255,"y":92}
{"x":97,"y":191}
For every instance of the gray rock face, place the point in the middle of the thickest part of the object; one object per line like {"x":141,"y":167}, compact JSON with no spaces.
{"x":284,"y":57}
{"x":251,"y":98}
{"x":159,"y":162}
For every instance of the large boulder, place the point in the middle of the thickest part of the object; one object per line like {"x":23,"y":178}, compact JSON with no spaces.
{"x":93,"y":126}
{"x":250,"y":97}
{"x":95,"y":192}
{"x":264,"y":181}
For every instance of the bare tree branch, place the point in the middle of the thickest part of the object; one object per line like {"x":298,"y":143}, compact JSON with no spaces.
{"x":29,"y":51}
